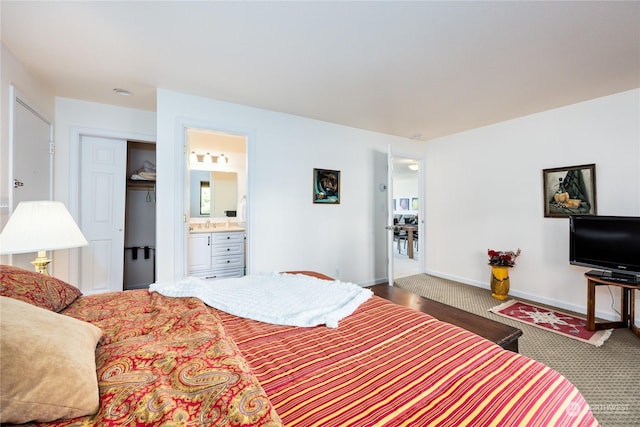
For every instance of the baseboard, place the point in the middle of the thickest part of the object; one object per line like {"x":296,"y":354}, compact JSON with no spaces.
{"x":464,"y":280}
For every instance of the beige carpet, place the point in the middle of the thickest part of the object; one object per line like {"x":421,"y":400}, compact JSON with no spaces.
{"x":608,"y":376}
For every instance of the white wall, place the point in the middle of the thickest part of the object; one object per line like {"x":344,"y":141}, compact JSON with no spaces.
{"x":405,"y":186}
{"x":484,"y":190}
{"x":286,"y":230}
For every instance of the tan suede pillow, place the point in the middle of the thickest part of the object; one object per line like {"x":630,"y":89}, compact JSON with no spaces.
{"x":47,"y":364}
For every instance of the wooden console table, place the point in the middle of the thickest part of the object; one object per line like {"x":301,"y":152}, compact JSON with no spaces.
{"x":504,"y":335}
{"x":627,"y":304}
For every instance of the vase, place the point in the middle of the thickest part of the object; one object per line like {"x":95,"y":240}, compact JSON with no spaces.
{"x":500,"y":282}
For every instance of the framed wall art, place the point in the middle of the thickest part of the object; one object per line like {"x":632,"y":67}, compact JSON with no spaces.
{"x":414,"y":204}
{"x":569,"y":191}
{"x":326,"y":186}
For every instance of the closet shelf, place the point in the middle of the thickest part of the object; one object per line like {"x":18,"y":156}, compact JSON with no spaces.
{"x":138,"y":184}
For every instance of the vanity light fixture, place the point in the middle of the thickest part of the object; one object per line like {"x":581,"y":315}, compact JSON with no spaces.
{"x":193,"y":157}
{"x":207,"y":158}
{"x":222,"y":159}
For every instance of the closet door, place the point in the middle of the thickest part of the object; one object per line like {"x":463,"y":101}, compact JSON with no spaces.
{"x":102,"y":212}
{"x":31,"y":172}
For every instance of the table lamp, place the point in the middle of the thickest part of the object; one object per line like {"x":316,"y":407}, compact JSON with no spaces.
{"x":40,"y":226}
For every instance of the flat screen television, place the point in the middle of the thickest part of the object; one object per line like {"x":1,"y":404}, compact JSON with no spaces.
{"x":607,"y":243}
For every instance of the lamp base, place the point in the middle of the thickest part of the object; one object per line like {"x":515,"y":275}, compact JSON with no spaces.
{"x":41,"y":262}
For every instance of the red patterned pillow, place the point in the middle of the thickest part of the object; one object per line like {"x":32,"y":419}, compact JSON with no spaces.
{"x":36,"y":288}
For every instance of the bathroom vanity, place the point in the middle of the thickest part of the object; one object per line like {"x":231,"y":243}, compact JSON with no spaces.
{"x":216,"y":252}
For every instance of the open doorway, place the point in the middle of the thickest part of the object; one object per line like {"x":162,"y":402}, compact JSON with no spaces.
{"x":407,"y":218}
{"x":140,"y":216}
{"x":216,"y":204}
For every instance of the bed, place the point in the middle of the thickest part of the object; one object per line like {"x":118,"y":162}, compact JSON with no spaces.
{"x":161,"y":360}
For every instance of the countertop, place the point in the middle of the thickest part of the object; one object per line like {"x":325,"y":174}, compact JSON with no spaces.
{"x":216,"y":229}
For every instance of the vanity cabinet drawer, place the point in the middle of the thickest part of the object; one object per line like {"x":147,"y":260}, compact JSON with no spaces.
{"x":226,"y":249}
{"x":218,"y":238}
{"x":232,"y":261}
{"x":220,"y":274}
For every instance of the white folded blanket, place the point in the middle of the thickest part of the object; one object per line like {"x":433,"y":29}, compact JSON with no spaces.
{"x":278,"y":298}
{"x":144,"y":176}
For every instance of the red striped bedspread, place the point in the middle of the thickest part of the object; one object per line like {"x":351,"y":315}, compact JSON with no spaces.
{"x":391,"y":365}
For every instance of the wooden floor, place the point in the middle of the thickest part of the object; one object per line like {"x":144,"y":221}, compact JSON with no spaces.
{"x":504,"y":335}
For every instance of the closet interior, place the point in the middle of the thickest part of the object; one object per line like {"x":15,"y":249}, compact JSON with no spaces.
{"x":140,"y":216}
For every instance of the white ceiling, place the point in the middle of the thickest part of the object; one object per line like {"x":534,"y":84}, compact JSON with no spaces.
{"x":402,"y":68}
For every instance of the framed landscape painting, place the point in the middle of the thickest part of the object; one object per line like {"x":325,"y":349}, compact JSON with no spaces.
{"x":326,"y":186}
{"x":569,"y":191}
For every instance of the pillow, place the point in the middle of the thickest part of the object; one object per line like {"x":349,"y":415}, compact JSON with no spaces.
{"x":310,"y":273}
{"x":36,"y":288}
{"x":48,"y":364}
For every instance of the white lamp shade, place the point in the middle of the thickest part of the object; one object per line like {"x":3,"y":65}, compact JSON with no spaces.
{"x":40,"y":226}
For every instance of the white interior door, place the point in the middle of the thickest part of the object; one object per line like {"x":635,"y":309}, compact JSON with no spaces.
{"x":102,"y":212}
{"x":32,"y":157}
{"x":389,"y":226}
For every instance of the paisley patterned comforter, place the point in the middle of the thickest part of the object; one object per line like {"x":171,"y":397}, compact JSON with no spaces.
{"x":168,"y":361}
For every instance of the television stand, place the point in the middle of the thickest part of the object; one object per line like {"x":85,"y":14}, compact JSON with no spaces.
{"x":610,"y":276}
{"x":627,"y":302}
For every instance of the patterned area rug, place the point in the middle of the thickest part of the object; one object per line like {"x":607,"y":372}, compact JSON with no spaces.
{"x":551,"y":320}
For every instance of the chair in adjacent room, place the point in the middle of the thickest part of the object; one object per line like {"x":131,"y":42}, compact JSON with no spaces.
{"x":399,"y":235}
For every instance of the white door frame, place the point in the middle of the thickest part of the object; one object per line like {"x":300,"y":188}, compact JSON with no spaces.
{"x":181,"y":200}
{"x":75,"y":139}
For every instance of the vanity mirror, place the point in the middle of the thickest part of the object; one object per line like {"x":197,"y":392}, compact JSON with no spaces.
{"x":213,"y":194}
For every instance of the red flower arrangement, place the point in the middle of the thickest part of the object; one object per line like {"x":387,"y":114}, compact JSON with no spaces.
{"x":502,"y":258}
